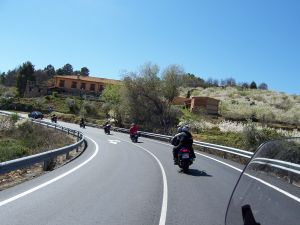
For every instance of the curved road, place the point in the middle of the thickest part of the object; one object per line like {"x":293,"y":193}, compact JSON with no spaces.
{"x":116,"y":182}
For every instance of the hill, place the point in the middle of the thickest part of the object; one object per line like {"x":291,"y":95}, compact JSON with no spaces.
{"x":267,"y":107}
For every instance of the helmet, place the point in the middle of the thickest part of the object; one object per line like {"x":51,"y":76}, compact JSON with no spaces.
{"x":179,"y":129}
{"x":185,"y":128}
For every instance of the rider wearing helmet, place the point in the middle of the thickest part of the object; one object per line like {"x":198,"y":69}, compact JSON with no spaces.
{"x":180,"y":140}
{"x":175,"y":139}
{"x":133,"y":130}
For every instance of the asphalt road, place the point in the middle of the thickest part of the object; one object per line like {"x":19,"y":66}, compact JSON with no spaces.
{"x":116,"y":182}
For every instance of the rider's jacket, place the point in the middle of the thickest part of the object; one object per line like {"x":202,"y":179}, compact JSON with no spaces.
{"x":183,"y":139}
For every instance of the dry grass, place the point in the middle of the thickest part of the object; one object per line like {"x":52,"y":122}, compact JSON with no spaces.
{"x":27,"y":138}
{"x":263,"y":105}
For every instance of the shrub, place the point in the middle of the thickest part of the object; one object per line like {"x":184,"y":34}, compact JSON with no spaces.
{"x":89,"y":107}
{"x":71,"y":104}
{"x":14,"y":117}
{"x":253,"y":137}
{"x":39,"y":103}
{"x":12,"y":149}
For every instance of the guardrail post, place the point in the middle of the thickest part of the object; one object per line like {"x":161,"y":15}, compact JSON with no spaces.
{"x":290,"y":177}
{"x":68,"y":155}
{"x":225,"y":155}
{"x":49,"y":164}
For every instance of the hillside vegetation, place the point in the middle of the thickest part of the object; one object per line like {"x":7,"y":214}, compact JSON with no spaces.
{"x":18,"y":139}
{"x":249,"y":114}
{"x":264,"y":106}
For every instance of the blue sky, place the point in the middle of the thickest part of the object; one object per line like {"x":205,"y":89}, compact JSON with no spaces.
{"x":247,"y":39}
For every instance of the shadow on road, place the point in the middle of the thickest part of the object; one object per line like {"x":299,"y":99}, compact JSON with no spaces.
{"x":198,"y":173}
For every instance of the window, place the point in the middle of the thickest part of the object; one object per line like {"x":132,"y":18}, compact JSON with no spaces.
{"x":92,"y":87}
{"x":82,"y":87}
{"x":61,"y":83}
{"x":74,"y":84}
{"x":101,"y":88}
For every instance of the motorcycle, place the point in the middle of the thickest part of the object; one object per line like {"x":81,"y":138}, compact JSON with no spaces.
{"x":53,"y":119}
{"x":185,"y":159}
{"x":134,"y":137}
{"x":82,"y":124}
{"x":107,"y":129}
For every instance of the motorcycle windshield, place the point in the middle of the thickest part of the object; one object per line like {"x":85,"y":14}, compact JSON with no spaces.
{"x":268,"y":191}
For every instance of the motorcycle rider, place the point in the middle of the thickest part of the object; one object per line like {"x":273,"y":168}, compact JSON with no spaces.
{"x":106,"y":127}
{"x":53,"y":118}
{"x":82,"y":122}
{"x":133,"y":130}
{"x":181,"y":140}
{"x":175,"y":139}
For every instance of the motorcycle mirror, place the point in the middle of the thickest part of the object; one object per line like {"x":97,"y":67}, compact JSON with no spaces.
{"x":268,"y":190}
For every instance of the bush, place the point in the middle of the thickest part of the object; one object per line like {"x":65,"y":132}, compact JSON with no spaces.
{"x":39,"y":103}
{"x":71,"y":104}
{"x":12,"y":149}
{"x":14,"y":117}
{"x":39,"y":138}
{"x":254,"y":137}
{"x":89,"y":107}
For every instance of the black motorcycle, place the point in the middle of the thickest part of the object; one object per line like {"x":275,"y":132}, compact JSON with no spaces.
{"x":134,"y":137}
{"x":185,"y":159}
{"x":53,"y":119}
{"x":107,"y":129}
{"x":82,"y":124}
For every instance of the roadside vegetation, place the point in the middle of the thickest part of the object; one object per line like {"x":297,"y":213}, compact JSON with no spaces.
{"x":264,"y":106}
{"x":23,"y":138}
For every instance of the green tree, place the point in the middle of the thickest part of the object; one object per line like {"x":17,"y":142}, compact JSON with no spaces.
{"x":25,"y":73}
{"x":60,"y":71}
{"x":245,"y":85}
{"x":171,"y":81}
{"x":84,"y":71}
{"x":11,"y":77}
{"x":145,"y":101}
{"x":112,"y":97}
{"x":49,"y":70}
{"x":68,"y":69}
{"x":2,"y":78}
{"x":253,"y":85}
{"x":190,"y":80}
{"x":263,"y":86}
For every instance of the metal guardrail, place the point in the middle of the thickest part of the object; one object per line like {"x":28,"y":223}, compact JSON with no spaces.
{"x":280,"y":164}
{"x":44,"y":156}
{"x":235,"y":151}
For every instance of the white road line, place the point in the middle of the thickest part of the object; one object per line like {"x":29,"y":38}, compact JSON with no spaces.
{"x":219,"y":161}
{"x":164,"y":207}
{"x":2,"y":203}
{"x":274,"y":187}
{"x":255,"y":178}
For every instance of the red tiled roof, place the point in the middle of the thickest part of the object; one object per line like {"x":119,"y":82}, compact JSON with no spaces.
{"x":91,"y":79}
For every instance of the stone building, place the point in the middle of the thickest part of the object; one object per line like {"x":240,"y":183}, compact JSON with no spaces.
{"x":76,"y":84}
{"x":205,"y":105}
